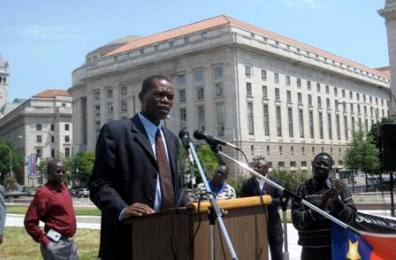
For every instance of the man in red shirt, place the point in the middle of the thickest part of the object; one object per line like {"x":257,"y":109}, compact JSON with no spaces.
{"x":53,"y":205}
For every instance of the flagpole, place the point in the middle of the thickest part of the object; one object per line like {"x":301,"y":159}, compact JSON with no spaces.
{"x":290,"y":194}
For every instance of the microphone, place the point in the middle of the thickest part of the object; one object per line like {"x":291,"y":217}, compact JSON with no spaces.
{"x":184,"y":136}
{"x":211,"y":140}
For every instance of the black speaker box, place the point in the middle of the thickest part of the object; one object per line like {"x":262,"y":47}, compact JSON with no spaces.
{"x":388,"y":147}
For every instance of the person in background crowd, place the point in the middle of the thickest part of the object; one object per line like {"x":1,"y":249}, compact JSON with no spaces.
{"x":256,"y":187}
{"x":222,"y":190}
{"x":332,"y":196}
{"x":52,"y":204}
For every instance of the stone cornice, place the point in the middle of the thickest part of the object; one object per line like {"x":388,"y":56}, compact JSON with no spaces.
{"x":389,"y":12}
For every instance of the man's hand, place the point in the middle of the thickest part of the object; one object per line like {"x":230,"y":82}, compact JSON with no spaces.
{"x":137,"y":209}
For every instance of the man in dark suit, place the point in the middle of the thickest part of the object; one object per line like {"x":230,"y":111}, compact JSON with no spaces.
{"x":256,"y":187}
{"x":135,"y":170}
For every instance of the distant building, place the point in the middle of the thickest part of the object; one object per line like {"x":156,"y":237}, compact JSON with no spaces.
{"x":4,"y":75}
{"x":41,"y":126}
{"x":389,"y":13}
{"x":269,"y":94}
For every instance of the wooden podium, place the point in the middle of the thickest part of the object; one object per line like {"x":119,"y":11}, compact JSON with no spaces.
{"x":170,"y":234}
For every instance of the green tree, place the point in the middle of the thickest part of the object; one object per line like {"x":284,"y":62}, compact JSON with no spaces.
{"x":80,"y":167}
{"x":10,"y":158}
{"x":209,"y":160}
{"x":362,"y":155}
{"x":290,"y":180}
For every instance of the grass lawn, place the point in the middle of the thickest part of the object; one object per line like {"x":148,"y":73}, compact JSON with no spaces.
{"x":80,"y":211}
{"x":18,"y":245}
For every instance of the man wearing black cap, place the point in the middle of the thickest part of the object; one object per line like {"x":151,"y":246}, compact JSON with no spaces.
{"x":332,"y":196}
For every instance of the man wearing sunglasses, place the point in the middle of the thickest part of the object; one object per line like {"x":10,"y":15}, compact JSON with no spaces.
{"x":52,"y":204}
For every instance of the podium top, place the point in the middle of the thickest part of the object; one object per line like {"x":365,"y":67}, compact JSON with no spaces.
{"x":234,"y":203}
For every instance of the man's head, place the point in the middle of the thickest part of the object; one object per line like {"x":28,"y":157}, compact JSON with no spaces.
{"x":56,"y":172}
{"x":156,"y":97}
{"x":220,"y":175}
{"x":322,"y":166}
{"x":260,"y":165}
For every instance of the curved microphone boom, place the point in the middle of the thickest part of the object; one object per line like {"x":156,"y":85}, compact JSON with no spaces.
{"x":211,"y":140}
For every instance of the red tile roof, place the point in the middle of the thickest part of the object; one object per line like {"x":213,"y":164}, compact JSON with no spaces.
{"x":52,"y":93}
{"x":385,"y":70}
{"x":224,"y":20}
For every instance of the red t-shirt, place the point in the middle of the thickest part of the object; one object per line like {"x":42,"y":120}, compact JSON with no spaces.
{"x":54,"y":207}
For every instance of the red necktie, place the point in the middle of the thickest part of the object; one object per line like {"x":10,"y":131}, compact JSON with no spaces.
{"x":164,"y":173}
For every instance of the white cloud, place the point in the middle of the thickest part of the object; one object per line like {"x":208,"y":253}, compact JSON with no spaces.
{"x":45,"y":32}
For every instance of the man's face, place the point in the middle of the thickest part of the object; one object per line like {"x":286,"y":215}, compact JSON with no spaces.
{"x":57,"y":175}
{"x":261,"y":167}
{"x":220,"y":176}
{"x":158,"y":101}
{"x":322,"y":167}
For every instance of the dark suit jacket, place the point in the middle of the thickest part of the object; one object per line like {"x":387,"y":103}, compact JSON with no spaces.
{"x":251,"y":187}
{"x":125,"y":172}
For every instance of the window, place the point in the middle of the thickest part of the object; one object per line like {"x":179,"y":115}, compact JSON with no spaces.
{"x":252,"y":149}
{"x":353,"y":124}
{"x":52,"y":153}
{"x":276,"y":77}
{"x":329,"y":125}
{"x":266,"y":120}
{"x":303,"y":163}
{"x":281,"y":164}
{"x":357,"y":96}
{"x":109,"y":93}
{"x":219,"y":89}
{"x":299,"y":98}
{"x":338,"y":127}
{"x":39,"y":127}
{"x":201,"y":117}
{"x":350,"y":95}
{"x":346,"y":134}
{"x":183,"y":117}
{"x":280,"y":149}
{"x":311,"y":125}
{"x":248,"y":71}
{"x":278,"y":121}
{"x":263,"y":74}
{"x":309,"y":100}
{"x":249,"y":89}
{"x":292,"y":149}
{"x":250,"y":118}
{"x":124,"y":106}
{"x":313,"y":149}
{"x":268,"y":149}
{"x":301,"y":122}
{"x":67,"y":152}
{"x":303,"y":150}
{"x":39,"y":153}
{"x":218,"y":72}
{"x":220,"y":119}
{"x":181,"y":79}
{"x":52,"y":127}
{"x":299,"y":83}
{"x":182,"y":95}
{"x":39,"y":138}
{"x":124,"y":91}
{"x":319,"y":102}
{"x":199,"y":75}
{"x":336,"y":103}
{"x":327,"y":89}
{"x":265,"y":91}
{"x":290,"y":119}
{"x":328,"y":103}
{"x":335,"y":91}
{"x":289,"y":98}
{"x":277,"y":94}
{"x":109,"y":108}
{"x":67,"y":127}
{"x":308,"y":85}
{"x":318,"y":87}
{"x":200,"y":93}
{"x":287,"y":80}
{"x":321,"y":135}
{"x":343,"y":93}
{"x":351,"y":105}
{"x":52,"y":139}
{"x":67,"y":139}
{"x":292,"y":164}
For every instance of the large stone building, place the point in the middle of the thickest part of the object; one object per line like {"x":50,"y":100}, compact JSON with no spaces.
{"x":40,"y":126}
{"x":269,"y":94}
{"x":389,"y":13}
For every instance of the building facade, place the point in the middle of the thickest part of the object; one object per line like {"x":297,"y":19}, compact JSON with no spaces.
{"x":4,"y":75}
{"x":270,"y":95}
{"x":389,"y":13}
{"x":40,"y":126}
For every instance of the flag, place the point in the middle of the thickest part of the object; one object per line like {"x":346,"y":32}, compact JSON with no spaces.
{"x":32,"y":166}
{"x":375,"y":239}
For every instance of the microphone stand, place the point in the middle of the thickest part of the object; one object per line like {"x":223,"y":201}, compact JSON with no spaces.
{"x":215,"y":213}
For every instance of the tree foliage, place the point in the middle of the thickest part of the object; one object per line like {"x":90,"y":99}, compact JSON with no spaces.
{"x":290,"y":180}
{"x":9,"y":156}
{"x":374,"y":130}
{"x":80,"y":166}
{"x":362,"y":154}
{"x":209,"y":160}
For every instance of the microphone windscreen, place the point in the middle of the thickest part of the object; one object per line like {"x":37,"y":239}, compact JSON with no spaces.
{"x":183,"y":133}
{"x":199,"y":135}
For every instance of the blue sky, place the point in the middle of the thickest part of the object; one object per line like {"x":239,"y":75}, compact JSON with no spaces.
{"x":45,"y":40}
